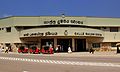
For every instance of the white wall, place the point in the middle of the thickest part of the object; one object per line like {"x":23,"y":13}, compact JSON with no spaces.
{"x":111,"y":37}
{"x":107,"y":29}
{"x":9,"y":37}
{"x":60,"y":31}
{"x":97,"y":21}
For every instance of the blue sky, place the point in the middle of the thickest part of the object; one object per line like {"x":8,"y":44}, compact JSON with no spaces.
{"x":99,"y":8}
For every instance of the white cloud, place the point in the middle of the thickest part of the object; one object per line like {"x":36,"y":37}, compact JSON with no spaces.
{"x":7,"y":15}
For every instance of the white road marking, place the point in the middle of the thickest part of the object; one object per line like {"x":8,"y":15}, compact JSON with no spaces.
{"x":61,"y":62}
{"x":51,"y":61}
{"x":38,"y":61}
{"x":24,"y":71}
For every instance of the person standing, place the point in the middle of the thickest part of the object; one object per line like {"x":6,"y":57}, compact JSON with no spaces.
{"x":92,"y":50}
{"x":118,"y":51}
{"x":0,"y":49}
{"x":69,"y":50}
{"x":56,"y":49}
{"x":6,"y":49}
{"x":51,"y":50}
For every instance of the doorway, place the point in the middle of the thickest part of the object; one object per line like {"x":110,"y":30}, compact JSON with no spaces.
{"x":64,"y":44}
{"x":80,"y":45}
{"x":47,"y":42}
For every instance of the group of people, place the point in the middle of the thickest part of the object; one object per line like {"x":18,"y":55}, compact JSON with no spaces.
{"x":4,"y":49}
{"x":91,"y":50}
{"x":57,"y":49}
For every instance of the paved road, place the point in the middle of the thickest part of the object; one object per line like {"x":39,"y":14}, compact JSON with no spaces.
{"x":58,"y":63}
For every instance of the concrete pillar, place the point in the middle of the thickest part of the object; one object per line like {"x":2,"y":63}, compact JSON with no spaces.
{"x":73,"y":44}
{"x":4,"y":45}
{"x":87,"y":48}
{"x":89,"y":45}
{"x":39,"y":43}
{"x":55,"y":42}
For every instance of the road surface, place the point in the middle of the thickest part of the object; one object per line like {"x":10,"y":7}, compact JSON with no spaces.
{"x":51,"y":63}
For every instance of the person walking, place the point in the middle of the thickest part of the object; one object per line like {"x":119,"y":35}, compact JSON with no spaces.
{"x":69,"y":50}
{"x":92,"y":50}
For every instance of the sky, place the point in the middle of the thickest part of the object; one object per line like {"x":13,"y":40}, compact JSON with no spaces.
{"x":97,"y":8}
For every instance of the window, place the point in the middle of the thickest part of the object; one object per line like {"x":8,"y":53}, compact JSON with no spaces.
{"x":113,"y":44}
{"x":2,"y":28}
{"x":104,"y":28}
{"x":114,"y":29}
{"x":8,"y":29}
{"x":97,"y":28}
{"x":96,"y":45}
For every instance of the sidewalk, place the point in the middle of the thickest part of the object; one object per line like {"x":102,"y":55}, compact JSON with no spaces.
{"x":76,"y":54}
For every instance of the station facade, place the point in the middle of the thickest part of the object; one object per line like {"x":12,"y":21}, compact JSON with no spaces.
{"x":80,"y":33}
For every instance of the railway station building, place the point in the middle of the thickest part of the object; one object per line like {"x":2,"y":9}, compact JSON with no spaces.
{"x":79,"y":32}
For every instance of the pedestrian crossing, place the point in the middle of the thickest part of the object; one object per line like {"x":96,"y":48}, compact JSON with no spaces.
{"x":61,"y":62}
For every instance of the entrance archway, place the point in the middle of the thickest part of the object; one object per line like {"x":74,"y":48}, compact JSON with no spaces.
{"x":47,"y":42}
{"x":64,"y":43}
{"x":80,"y":45}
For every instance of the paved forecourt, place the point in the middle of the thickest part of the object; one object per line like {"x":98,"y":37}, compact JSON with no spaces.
{"x":67,"y":62}
{"x":61,"y":62}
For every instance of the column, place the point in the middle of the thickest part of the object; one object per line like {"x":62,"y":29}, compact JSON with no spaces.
{"x":39,"y":43}
{"x":55,"y":42}
{"x":73,"y":44}
{"x":87,"y":47}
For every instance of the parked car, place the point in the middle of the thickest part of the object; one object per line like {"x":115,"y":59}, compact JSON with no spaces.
{"x":22,"y":49}
{"x":34,"y":50}
{"x":47,"y":50}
